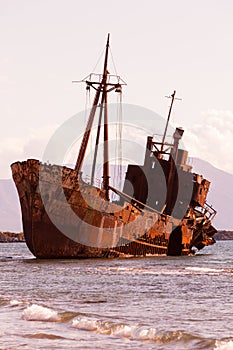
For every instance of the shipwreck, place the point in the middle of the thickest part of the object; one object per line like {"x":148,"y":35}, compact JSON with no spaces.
{"x":65,"y":216}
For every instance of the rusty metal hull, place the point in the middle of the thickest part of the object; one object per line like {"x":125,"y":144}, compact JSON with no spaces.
{"x":63,"y":217}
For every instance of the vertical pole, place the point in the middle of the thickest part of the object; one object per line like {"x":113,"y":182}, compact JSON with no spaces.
{"x":106,"y":153}
{"x":103,"y":105}
{"x":86,"y":136}
{"x":97,"y":141}
{"x":168,"y":118}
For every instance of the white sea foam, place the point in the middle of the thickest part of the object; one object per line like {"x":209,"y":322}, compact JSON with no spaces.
{"x":204,"y":269}
{"x":152,"y":271}
{"x":93,"y":324}
{"x":36,"y":312}
{"x":224,"y":345}
{"x":123,"y":331}
{"x":16,"y":302}
{"x":143,"y":333}
{"x":85,"y":323}
{"x":135,"y":270}
{"x":136,"y":332}
{"x":133,"y":332}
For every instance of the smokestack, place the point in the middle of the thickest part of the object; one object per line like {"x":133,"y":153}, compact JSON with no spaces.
{"x":177,"y":137}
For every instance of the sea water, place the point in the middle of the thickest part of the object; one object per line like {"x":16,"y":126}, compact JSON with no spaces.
{"x":144,"y":303}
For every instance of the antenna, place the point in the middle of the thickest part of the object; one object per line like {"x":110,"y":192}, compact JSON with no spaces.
{"x":168,"y":117}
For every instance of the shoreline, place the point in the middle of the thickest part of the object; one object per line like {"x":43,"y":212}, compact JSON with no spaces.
{"x":13,"y":237}
{"x":224,"y":235}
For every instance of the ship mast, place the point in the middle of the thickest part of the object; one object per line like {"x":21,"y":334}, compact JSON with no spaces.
{"x":102,"y":87}
{"x":168,"y":118}
{"x":106,"y":153}
{"x":86,"y":136}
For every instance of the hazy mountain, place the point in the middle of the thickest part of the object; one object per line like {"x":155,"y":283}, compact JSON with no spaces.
{"x":10,"y":214}
{"x":220,"y":196}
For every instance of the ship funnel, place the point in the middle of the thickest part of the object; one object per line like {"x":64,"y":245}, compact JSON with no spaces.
{"x":177,"y":137}
{"x":178,"y":133}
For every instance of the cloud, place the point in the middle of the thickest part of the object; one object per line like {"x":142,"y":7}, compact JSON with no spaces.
{"x":13,"y":149}
{"x":213,"y":140}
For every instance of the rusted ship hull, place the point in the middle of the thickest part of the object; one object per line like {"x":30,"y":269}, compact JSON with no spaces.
{"x":162,"y":209}
{"x":66,"y":218}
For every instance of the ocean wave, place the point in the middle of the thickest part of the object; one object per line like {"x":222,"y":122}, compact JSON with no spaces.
{"x":119,"y":330}
{"x":136,"y":271}
{"x":36,"y":312}
{"x":223,"y":345}
{"x":164,"y":271}
{"x":16,"y":302}
{"x":205,"y":269}
{"x":3,"y":302}
{"x":43,"y":336}
{"x":5,"y":258}
{"x":15,"y":258}
{"x":140,"y":332}
{"x":12,"y":302}
{"x":67,"y":316}
{"x":87,"y":324}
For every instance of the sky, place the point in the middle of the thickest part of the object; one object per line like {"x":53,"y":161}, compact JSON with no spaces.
{"x":158,"y":46}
